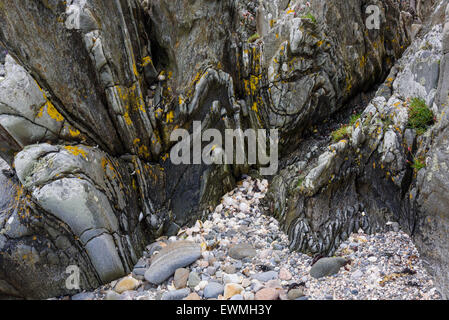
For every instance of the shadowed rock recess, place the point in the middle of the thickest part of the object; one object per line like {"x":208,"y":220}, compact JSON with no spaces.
{"x":90,"y":91}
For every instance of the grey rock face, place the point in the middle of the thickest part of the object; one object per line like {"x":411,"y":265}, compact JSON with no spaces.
{"x":367,"y":179}
{"x":327,"y":267}
{"x":173,"y":256}
{"x":432,"y":184}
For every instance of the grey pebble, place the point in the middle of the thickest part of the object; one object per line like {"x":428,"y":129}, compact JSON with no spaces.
{"x":176,"y":294}
{"x":194,"y":280}
{"x":213,"y":290}
{"x":266,"y":276}
{"x":84,"y":296}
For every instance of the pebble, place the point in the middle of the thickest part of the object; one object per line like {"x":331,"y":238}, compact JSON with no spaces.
{"x":229,"y":269}
{"x":246,"y":283}
{"x":256,"y":286}
{"x":213,"y":290}
{"x":231,"y":278}
{"x":357,"y":274}
{"x":202,"y":285}
{"x":211,"y":271}
{"x":284,"y":274}
{"x":112,"y":295}
{"x":194,"y":280}
{"x":126,"y":284}
{"x":248,"y":296}
{"x":193,"y":296}
{"x":327,"y":267}
{"x":266,"y":276}
{"x":256,"y":253}
{"x":295,"y":294}
{"x":175,"y":255}
{"x":176,"y":294}
{"x":231,"y":289}
{"x":267,"y":294}
{"x":181,"y":277}
{"x":84,"y":296}
{"x":241,"y":251}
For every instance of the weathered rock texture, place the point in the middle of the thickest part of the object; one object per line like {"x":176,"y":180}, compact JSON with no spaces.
{"x":329,"y":189}
{"x":91,"y":90}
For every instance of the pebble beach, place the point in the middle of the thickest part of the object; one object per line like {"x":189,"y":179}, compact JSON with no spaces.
{"x":241,"y":254}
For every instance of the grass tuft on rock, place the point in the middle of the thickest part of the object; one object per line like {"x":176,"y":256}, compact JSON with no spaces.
{"x":340,"y":134}
{"x":343,"y":132}
{"x":310,"y":17}
{"x":420,"y":116}
{"x":354,"y":119}
{"x":418,"y":164}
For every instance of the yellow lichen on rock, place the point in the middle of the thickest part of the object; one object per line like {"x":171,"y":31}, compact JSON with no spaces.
{"x":76,"y":151}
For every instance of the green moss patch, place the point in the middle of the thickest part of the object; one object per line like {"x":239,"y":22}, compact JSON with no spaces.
{"x":420,"y":116}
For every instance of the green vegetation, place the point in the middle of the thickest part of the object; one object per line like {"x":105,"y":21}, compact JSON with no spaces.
{"x":420,"y":116}
{"x":343,"y":132}
{"x":354,"y":119}
{"x":300,"y":182}
{"x":254,"y":37}
{"x":309,"y":16}
{"x":340,"y":134}
{"x":418,"y":164}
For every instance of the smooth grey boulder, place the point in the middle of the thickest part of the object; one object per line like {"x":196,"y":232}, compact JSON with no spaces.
{"x":175,"y":255}
{"x":327,"y":267}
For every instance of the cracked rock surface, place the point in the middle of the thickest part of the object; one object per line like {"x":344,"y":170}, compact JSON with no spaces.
{"x":91,"y":90}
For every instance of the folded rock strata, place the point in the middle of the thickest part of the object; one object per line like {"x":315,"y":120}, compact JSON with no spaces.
{"x":370,"y":178}
{"x":90,"y":92}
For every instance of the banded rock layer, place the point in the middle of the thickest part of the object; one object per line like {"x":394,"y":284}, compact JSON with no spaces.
{"x":91,"y":90}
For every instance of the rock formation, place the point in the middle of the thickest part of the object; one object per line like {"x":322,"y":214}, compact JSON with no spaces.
{"x":90,"y":92}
